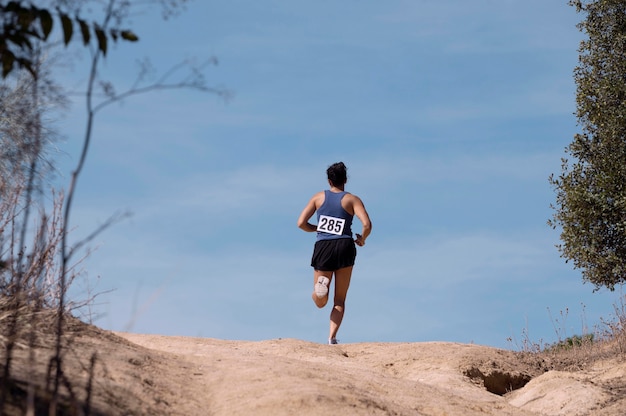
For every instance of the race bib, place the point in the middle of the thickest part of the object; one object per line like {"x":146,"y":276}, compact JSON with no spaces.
{"x":331,"y":225}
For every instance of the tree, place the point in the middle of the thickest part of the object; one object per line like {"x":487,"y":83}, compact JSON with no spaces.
{"x":25,"y":265}
{"x":22,"y":26}
{"x":591,"y":189}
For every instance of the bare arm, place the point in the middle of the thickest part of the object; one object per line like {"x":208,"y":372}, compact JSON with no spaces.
{"x":307,"y":213}
{"x":363,"y":216}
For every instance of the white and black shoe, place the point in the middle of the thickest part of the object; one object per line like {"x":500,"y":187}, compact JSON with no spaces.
{"x":321,"y":287}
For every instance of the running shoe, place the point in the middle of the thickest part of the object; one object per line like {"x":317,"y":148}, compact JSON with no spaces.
{"x":332,"y":341}
{"x":321,"y":287}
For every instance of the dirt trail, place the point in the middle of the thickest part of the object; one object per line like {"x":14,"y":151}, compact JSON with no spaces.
{"x":201,"y":376}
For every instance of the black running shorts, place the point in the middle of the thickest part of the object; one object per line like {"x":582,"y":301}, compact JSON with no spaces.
{"x":334,"y":254}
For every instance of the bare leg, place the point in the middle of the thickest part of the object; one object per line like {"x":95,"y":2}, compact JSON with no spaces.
{"x":321,"y":302}
{"x":342,"y":283}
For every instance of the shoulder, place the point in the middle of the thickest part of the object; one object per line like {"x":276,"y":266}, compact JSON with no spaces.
{"x":318,"y":198}
{"x":348,"y":197}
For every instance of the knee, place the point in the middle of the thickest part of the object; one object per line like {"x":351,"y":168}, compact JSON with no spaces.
{"x":340,"y":305}
{"x":339,"y":302}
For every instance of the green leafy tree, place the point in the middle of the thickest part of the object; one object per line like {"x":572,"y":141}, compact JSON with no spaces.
{"x":591,"y":189}
{"x":23,"y":24}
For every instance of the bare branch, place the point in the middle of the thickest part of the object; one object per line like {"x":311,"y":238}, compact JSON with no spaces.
{"x":112,"y":220}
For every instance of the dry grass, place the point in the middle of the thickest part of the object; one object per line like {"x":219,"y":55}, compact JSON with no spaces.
{"x":579,"y":352}
{"x":30,"y":387}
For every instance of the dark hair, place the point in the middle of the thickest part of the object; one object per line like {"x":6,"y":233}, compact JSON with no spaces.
{"x":337,"y":174}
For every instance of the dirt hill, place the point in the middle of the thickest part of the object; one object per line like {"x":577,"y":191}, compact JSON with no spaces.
{"x":137,"y":374}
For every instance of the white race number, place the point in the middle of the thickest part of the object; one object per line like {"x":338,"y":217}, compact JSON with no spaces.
{"x":331,"y":225}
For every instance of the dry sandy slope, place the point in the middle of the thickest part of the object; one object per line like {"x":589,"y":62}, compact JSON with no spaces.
{"x":200,"y":376}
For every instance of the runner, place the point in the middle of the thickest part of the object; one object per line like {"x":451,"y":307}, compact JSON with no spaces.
{"x":334,"y":252}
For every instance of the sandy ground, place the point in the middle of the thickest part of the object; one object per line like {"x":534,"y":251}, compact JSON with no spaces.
{"x":136,"y":374}
{"x":292,"y":377}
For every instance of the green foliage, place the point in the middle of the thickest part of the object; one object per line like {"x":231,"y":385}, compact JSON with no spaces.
{"x":571,"y":342}
{"x":22,"y":25}
{"x":591,"y":189}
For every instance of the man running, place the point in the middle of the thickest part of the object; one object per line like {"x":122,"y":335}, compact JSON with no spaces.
{"x":334,"y":252}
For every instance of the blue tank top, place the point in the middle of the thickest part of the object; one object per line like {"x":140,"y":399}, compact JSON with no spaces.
{"x":332,"y":220}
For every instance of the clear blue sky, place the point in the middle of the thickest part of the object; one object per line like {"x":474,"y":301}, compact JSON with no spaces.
{"x":450,"y":116}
